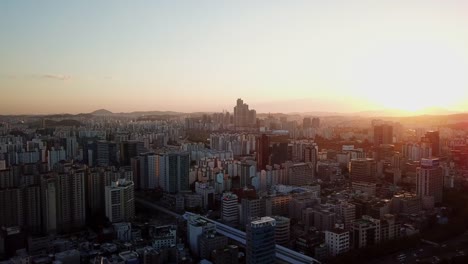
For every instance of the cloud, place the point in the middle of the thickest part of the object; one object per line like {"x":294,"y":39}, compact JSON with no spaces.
{"x":57,"y":77}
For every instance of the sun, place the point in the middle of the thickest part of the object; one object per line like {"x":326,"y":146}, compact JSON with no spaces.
{"x":412,"y":77}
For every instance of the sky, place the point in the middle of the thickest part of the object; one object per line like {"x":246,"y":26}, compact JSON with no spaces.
{"x":278,"y":56}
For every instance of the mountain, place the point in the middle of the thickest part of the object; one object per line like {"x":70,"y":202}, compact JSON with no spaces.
{"x":102,"y":112}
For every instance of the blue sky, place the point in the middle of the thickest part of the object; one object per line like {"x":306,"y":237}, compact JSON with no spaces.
{"x":77,"y":56}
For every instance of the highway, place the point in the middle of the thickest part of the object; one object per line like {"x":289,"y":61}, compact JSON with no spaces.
{"x":282,"y":253}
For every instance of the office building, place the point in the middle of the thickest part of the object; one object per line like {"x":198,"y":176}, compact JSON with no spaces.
{"x":300,"y":174}
{"x":120,"y":201}
{"x":260,"y":234}
{"x":230,"y":208}
{"x":363,"y":170}
{"x":429,"y":179}
{"x":282,"y":230}
{"x":252,"y":208}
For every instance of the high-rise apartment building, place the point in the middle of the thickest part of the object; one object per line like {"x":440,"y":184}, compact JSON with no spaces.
{"x":175,"y":172}
{"x":260,"y":237}
{"x":54,"y":156}
{"x":31,"y":208}
{"x":120,"y":201}
{"x":71,"y":207}
{"x":243,"y":117}
{"x":429,"y":179}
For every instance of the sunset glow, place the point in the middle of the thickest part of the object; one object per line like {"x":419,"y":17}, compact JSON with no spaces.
{"x":284,"y":57}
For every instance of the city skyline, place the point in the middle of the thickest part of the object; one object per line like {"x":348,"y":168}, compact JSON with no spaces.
{"x":280,"y":57}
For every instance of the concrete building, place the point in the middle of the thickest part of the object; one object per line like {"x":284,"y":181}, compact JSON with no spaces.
{"x":123,"y":231}
{"x":196,"y":226}
{"x":324,"y":219}
{"x":301,"y":174}
{"x":252,"y":208}
{"x":365,"y":232}
{"x":282,"y":230}
{"x":230,"y":208}
{"x":337,"y":241}
{"x":259,"y":241}
{"x":347,"y":213}
{"x":363,"y":170}
{"x":120,"y":201}
{"x":163,"y":236}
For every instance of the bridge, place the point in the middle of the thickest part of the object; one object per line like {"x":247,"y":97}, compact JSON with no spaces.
{"x":282,"y":253}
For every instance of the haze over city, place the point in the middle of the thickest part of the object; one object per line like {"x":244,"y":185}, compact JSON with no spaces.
{"x":189,"y":56}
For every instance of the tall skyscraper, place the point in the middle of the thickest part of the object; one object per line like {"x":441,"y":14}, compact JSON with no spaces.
{"x":263,"y":152}
{"x":260,"y":237}
{"x":383,"y":134}
{"x":429,"y":179}
{"x":71,"y":147}
{"x":49,"y":204}
{"x":363,"y":170}
{"x":432,"y":137}
{"x":175,"y":172}
{"x":54,"y":156}
{"x":94,"y":191}
{"x":120,"y":201}
{"x":31,"y":207}
{"x":243,"y":117}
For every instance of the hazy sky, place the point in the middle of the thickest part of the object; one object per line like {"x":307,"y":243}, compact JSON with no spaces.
{"x":78,"y":56}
